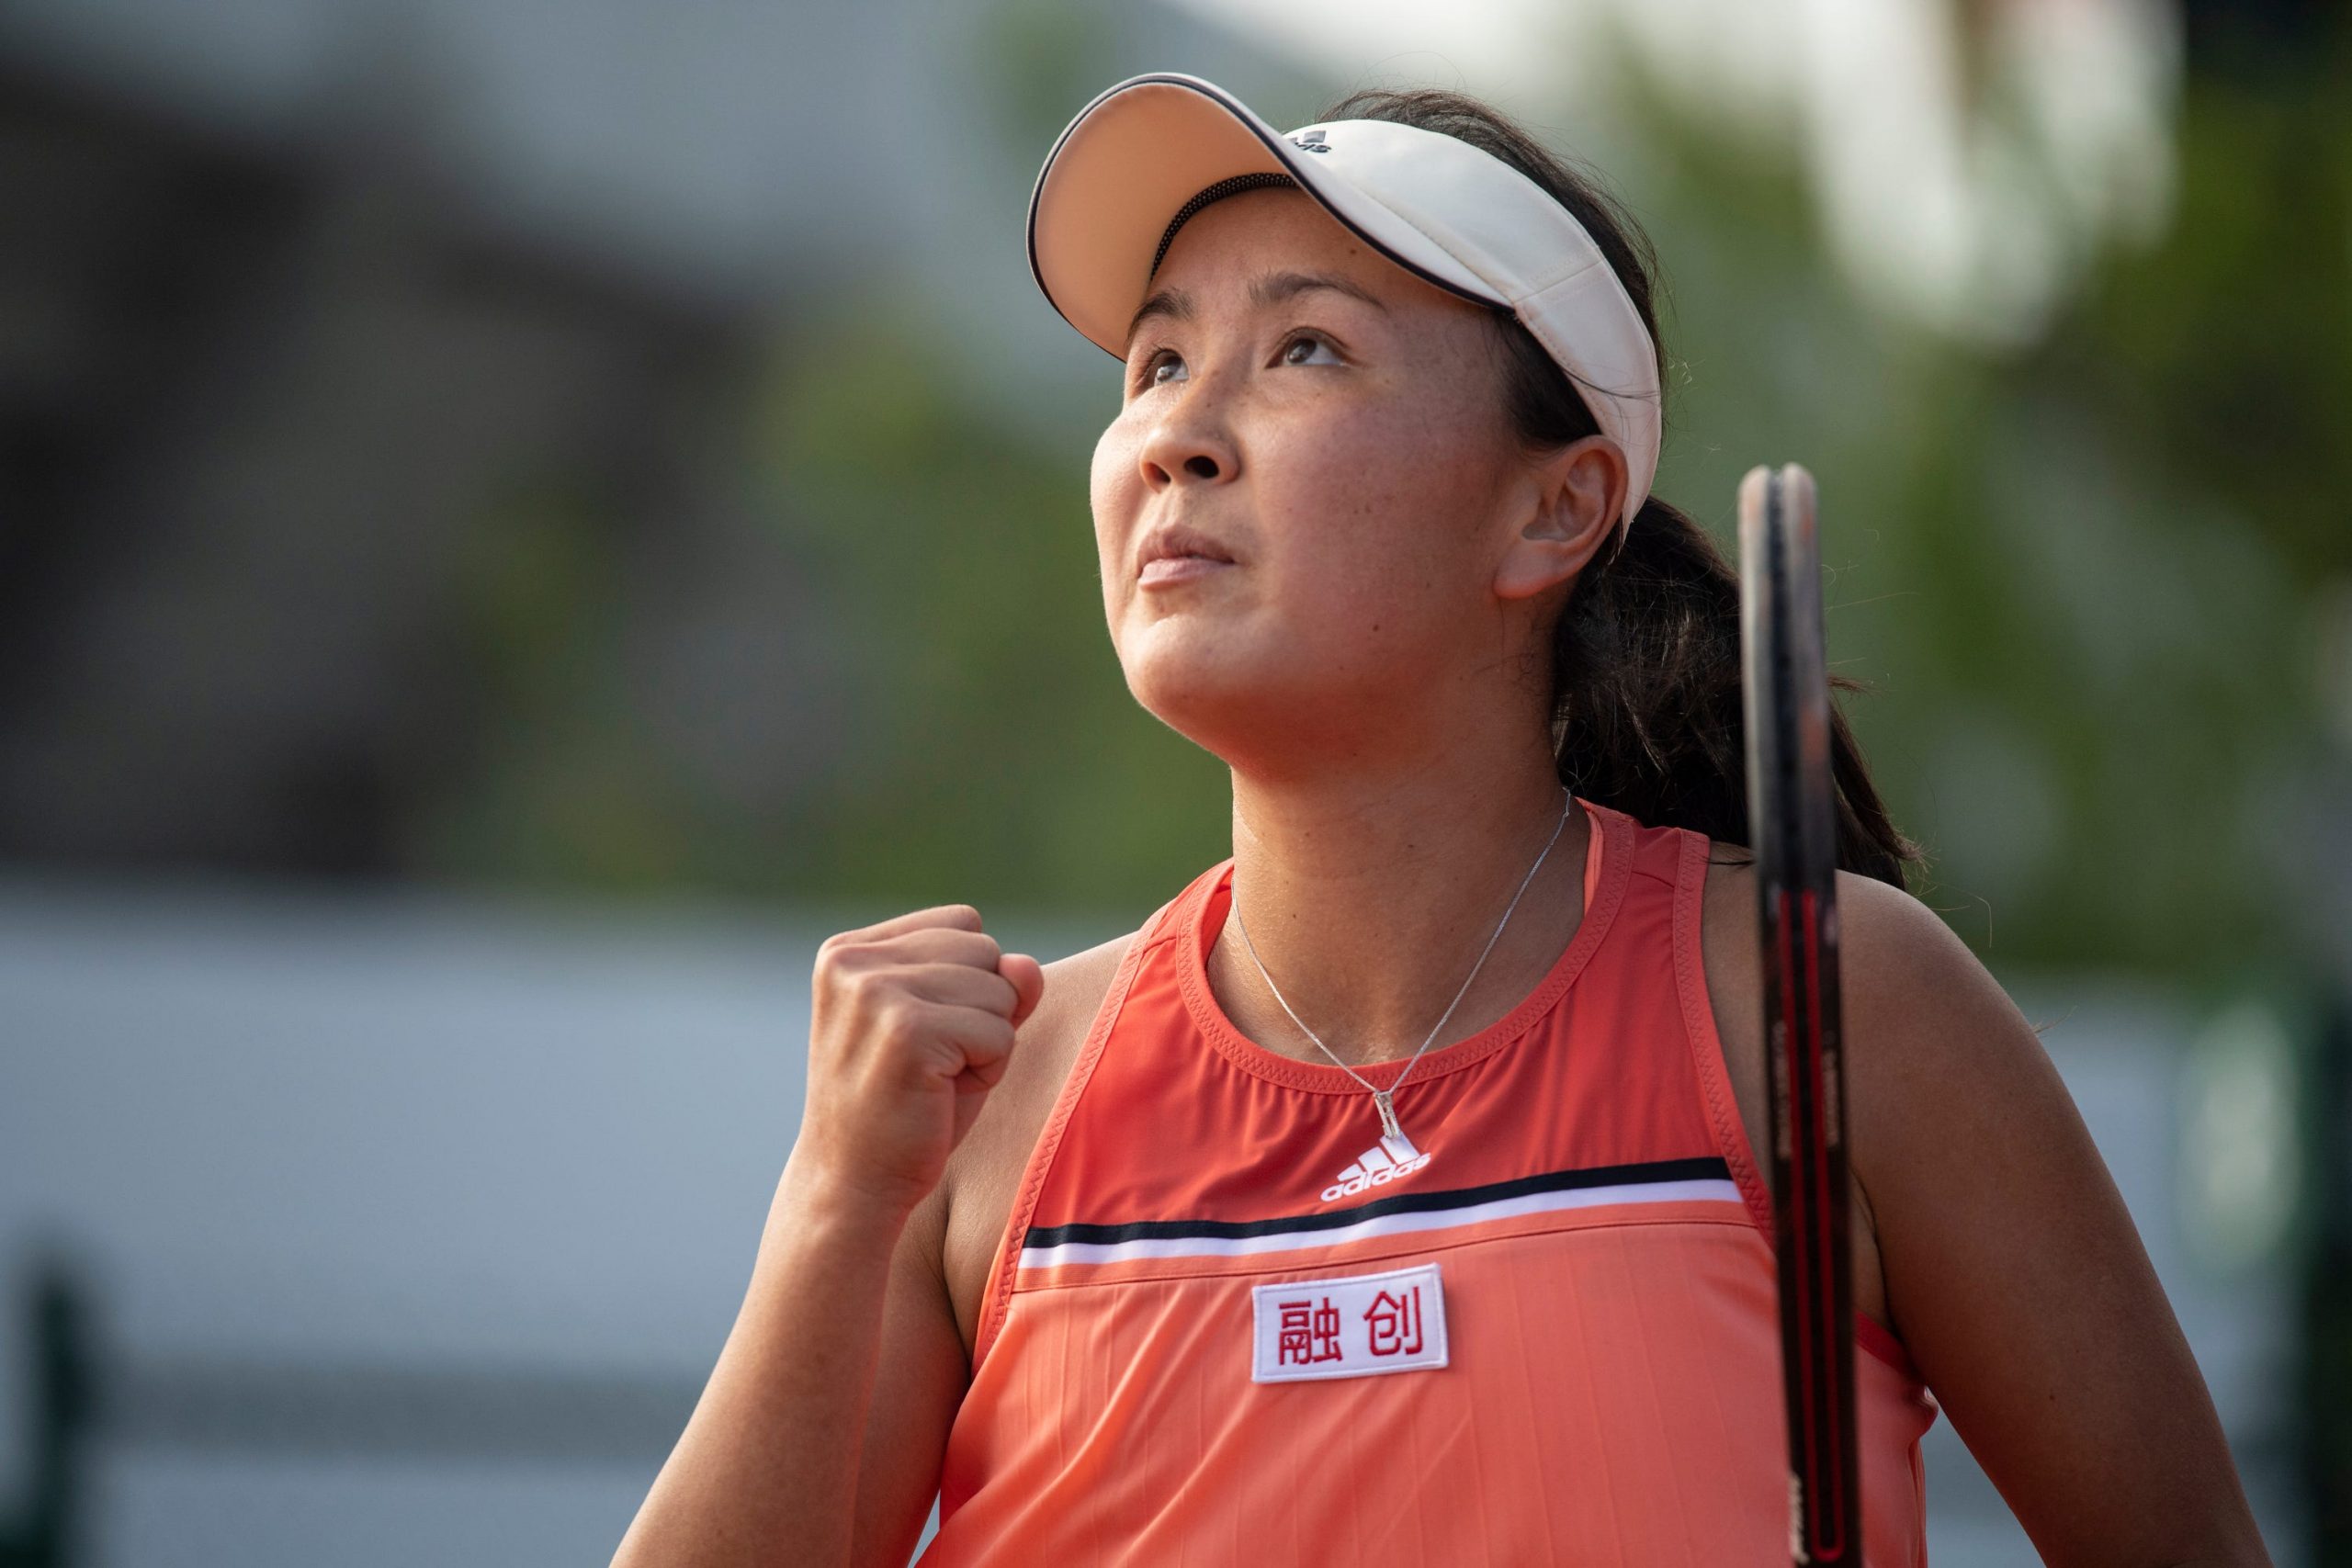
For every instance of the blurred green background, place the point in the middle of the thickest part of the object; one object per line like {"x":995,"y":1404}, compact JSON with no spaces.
{"x":2097,"y":564}
{"x":2077,"y":406}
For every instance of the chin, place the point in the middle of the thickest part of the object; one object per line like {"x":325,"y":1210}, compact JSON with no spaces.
{"x":1218,"y":689}
{"x":1193,"y":684}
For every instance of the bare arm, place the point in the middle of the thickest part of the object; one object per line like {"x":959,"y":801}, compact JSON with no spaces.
{"x":918,"y":1385}
{"x":818,"y":1437}
{"x":773,"y":1452}
{"x":2013,"y":1269}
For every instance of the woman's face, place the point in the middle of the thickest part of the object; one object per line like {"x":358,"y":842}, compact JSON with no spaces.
{"x":1343,"y":441}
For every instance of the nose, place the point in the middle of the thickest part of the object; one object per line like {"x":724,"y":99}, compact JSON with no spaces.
{"x":1185,"y":443}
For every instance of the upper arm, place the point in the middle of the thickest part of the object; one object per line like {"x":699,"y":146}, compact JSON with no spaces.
{"x":918,"y":1380}
{"x":2013,"y":1269}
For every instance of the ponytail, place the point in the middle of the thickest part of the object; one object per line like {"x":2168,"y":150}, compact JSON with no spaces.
{"x":1647,"y":710}
{"x":1647,"y":705}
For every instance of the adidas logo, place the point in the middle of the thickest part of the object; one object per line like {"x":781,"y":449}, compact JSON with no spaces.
{"x":1391,"y":1159}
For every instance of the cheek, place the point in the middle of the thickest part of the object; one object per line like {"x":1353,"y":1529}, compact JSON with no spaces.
{"x":1112,"y":476}
{"x":1380,"y":506}
{"x":1112,"y":486}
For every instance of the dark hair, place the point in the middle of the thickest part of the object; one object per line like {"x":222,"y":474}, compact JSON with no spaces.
{"x":1647,"y":712}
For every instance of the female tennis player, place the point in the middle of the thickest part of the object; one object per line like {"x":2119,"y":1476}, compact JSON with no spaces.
{"x":1391,"y":1196}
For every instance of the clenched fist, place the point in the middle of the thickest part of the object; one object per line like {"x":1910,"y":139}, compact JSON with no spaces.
{"x":911,"y":1024}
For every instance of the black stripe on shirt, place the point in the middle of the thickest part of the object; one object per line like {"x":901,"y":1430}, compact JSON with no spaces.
{"x":1706,"y":1167}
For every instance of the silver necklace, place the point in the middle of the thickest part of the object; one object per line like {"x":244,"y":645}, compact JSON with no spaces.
{"x":1384,"y":1099}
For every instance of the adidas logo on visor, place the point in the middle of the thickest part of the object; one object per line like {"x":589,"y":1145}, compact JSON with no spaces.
{"x":1391,"y":1159}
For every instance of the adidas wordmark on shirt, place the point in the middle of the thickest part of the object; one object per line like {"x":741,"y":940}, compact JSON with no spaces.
{"x":1391,"y":1159}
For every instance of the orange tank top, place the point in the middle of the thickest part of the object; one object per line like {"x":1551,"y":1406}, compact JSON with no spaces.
{"x":1229,"y":1322}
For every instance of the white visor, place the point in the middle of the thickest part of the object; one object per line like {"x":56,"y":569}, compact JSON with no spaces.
{"x":1452,"y":215}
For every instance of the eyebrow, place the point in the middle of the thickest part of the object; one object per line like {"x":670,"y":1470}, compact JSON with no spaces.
{"x":1175,"y":305}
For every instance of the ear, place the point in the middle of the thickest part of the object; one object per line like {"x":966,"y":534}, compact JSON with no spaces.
{"x":1569,"y":505}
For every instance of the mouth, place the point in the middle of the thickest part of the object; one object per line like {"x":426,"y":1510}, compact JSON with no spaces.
{"x":1166,"y":570}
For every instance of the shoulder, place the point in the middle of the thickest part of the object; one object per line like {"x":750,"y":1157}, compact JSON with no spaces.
{"x":974,"y":1200}
{"x":1923,"y":1021}
{"x":1043,"y":1048}
{"x":1049,"y":1038}
{"x":1894,"y":953}
{"x":1941,"y":1071}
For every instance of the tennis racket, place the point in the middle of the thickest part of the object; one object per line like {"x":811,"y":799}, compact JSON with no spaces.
{"x":1793,"y":821}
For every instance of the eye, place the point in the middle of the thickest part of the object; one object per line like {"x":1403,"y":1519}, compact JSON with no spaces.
{"x":1148,"y":375}
{"x":1312,"y":340}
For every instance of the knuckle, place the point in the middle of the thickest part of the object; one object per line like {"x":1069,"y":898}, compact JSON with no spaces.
{"x":839,"y":954}
{"x":898,"y":1018}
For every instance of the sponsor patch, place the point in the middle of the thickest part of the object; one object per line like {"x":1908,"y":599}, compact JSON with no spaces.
{"x":1354,"y":1327}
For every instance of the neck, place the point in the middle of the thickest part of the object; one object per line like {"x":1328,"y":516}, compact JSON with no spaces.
{"x":1370,"y":901}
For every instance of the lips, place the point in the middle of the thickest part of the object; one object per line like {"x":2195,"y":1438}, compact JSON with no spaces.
{"x":1178,"y":542}
{"x":1178,"y":568}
